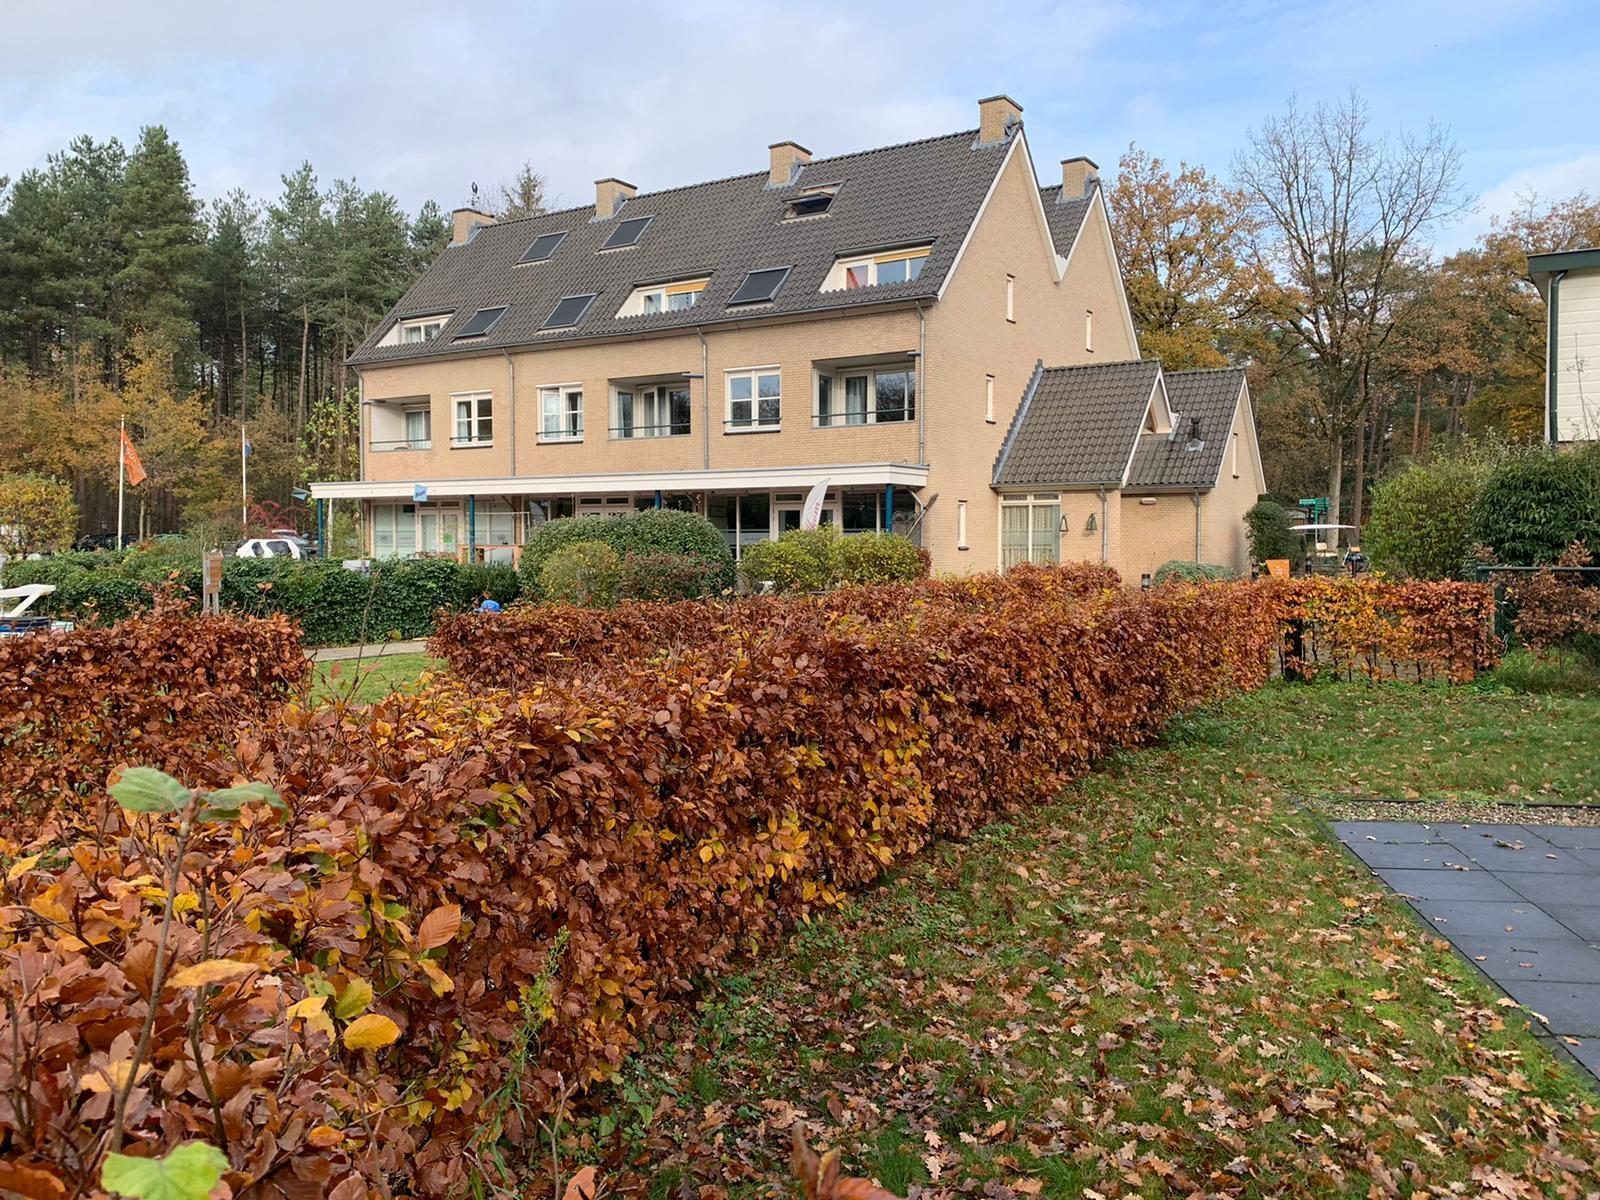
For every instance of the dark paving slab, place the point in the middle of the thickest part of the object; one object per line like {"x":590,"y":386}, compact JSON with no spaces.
{"x":1447,"y":885}
{"x":1542,"y":960}
{"x":1386,"y":831}
{"x":1521,"y":902}
{"x":1461,"y":918}
{"x":1582,"y":919}
{"x":1578,"y":890}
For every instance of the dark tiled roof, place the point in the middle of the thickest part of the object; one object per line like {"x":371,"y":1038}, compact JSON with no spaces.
{"x":919,"y":192}
{"x":1065,"y":216}
{"x":1076,"y":426}
{"x":1163,"y":462}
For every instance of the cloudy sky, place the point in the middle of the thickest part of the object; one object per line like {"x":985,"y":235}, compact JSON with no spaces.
{"x":423,"y":100}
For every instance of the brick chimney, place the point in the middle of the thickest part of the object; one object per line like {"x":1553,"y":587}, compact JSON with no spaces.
{"x":996,"y":116}
{"x":787,"y":159}
{"x":463,"y":221}
{"x":609,"y":195}
{"x":1076,"y":176}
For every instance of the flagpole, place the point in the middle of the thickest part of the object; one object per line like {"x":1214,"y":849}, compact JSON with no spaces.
{"x":244,"y":481}
{"x":122,"y":459}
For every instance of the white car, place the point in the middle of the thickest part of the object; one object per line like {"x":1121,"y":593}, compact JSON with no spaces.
{"x":273,"y":547}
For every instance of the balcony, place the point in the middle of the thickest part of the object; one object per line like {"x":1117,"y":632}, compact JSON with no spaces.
{"x":382,"y":446}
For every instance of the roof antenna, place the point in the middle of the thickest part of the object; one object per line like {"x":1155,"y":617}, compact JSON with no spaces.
{"x":474,"y":203}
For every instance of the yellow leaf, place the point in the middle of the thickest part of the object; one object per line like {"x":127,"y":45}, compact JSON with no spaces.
{"x":707,"y":854}
{"x":213,"y":970}
{"x":324,"y":1137}
{"x":113,"y":1077}
{"x":354,"y":999}
{"x":185,"y":902}
{"x":437,"y":979}
{"x":48,"y":905}
{"x":370,"y":1032}
{"x":21,"y":867}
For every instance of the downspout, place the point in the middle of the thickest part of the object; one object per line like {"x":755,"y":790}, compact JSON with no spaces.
{"x":364,"y":507}
{"x":1552,"y":357}
{"x":922,"y":386}
{"x":511,"y":374}
{"x":705,"y":401}
{"x":1105,"y":529}
{"x":1195,"y":496}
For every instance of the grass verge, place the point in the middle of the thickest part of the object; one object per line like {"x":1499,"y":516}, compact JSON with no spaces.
{"x":368,"y":679}
{"x":1169,"y":981}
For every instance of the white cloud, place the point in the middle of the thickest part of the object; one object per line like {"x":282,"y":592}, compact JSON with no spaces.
{"x":1557,"y":179}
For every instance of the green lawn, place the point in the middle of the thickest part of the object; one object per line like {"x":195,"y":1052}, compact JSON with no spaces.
{"x":1169,"y":982}
{"x":369,"y":679}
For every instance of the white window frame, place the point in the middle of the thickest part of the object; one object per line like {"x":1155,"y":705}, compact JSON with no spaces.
{"x":753,"y":423}
{"x":640,"y":429}
{"x":425,"y":328}
{"x":569,"y":415}
{"x":1233,"y":453}
{"x":838,"y":277}
{"x":1011,"y":298}
{"x":1033,"y":502}
{"x":839,"y":391}
{"x":475,"y":420}
{"x":662,"y":294}
{"x":425,"y":411}
{"x":988,"y":399}
{"x":961,"y":525}
{"x":1088,"y":330}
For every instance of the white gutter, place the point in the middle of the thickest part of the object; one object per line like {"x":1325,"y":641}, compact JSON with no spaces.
{"x":838,"y":475}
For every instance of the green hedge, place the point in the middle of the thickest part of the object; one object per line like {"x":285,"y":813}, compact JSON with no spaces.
{"x":814,"y":559}
{"x":1189,"y":572}
{"x":334,"y":606}
{"x":1533,"y":507}
{"x":650,"y":531}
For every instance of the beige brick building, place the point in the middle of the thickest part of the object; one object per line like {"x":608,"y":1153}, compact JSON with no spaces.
{"x":872,"y":322}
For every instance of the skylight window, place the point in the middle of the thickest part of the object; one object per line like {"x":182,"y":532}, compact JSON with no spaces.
{"x":627,"y":233}
{"x":543,"y":247}
{"x":813,"y":202}
{"x":568,"y":312}
{"x":480,"y":322}
{"x":759,"y":287}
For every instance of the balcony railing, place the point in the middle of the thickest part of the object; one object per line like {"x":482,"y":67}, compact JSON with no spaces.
{"x":625,"y":432}
{"x":378,"y":446}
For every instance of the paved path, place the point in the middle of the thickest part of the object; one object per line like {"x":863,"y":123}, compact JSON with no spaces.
{"x":374,"y":650}
{"x":1520,"y":901}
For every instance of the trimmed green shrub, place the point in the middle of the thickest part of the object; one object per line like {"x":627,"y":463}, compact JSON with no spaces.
{"x":1267,"y":526}
{"x":668,"y":577}
{"x":1534,"y":506}
{"x":583,"y":573}
{"x":649,"y":531}
{"x":799,"y":561}
{"x":877,"y":558}
{"x":1421,"y":523}
{"x":1189,"y":572}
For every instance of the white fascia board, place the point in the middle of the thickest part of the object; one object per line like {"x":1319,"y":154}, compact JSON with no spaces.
{"x":733,"y":479}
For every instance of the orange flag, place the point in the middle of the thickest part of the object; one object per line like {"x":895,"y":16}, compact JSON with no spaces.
{"x":130,"y":459}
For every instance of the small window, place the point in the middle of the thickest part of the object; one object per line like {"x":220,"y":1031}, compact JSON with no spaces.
{"x":474,"y":419}
{"x":754,"y":398}
{"x":1233,"y":455}
{"x":988,"y":398}
{"x":813,"y":202}
{"x":1088,"y":331}
{"x":663,"y":297}
{"x":961,"y":524}
{"x":543,"y":247}
{"x":627,"y":233}
{"x":568,"y":312}
{"x":480,"y":322}
{"x":1011,"y":297}
{"x":760,"y":287}
{"x":417,"y":330}
{"x":561,"y":413}
{"x":872,"y":270}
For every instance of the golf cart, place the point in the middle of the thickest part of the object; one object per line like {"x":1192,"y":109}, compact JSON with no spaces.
{"x":14,"y":605}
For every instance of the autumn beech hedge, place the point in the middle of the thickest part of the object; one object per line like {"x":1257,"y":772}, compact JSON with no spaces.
{"x":1374,"y":628}
{"x":606,"y":841}
{"x":537,"y":642}
{"x":167,"y":687}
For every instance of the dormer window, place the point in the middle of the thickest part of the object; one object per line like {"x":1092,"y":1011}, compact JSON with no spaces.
{"x":627,"y":233}
{"x":873,"y":270}
{"x":813,"y":202}
{"x":416,"y":331}
{"x":543,"y":247}
{"x":651,"y":298}
{"x":480,"y":322}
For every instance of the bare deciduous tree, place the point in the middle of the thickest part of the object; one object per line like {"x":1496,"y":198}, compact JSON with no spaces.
{"x":1343,"y":212}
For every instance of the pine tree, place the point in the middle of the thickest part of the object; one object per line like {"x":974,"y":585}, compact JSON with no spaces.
{"x":158,"y":224}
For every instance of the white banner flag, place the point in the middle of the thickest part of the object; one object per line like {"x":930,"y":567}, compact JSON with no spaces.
{"x":811,"y":514}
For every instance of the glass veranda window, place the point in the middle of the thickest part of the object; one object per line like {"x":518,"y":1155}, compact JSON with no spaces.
{"x":1030,"y":530}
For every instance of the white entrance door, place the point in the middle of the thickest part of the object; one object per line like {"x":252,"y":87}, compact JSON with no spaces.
{"x":441,"y":530}
{"x":787,"y":514}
